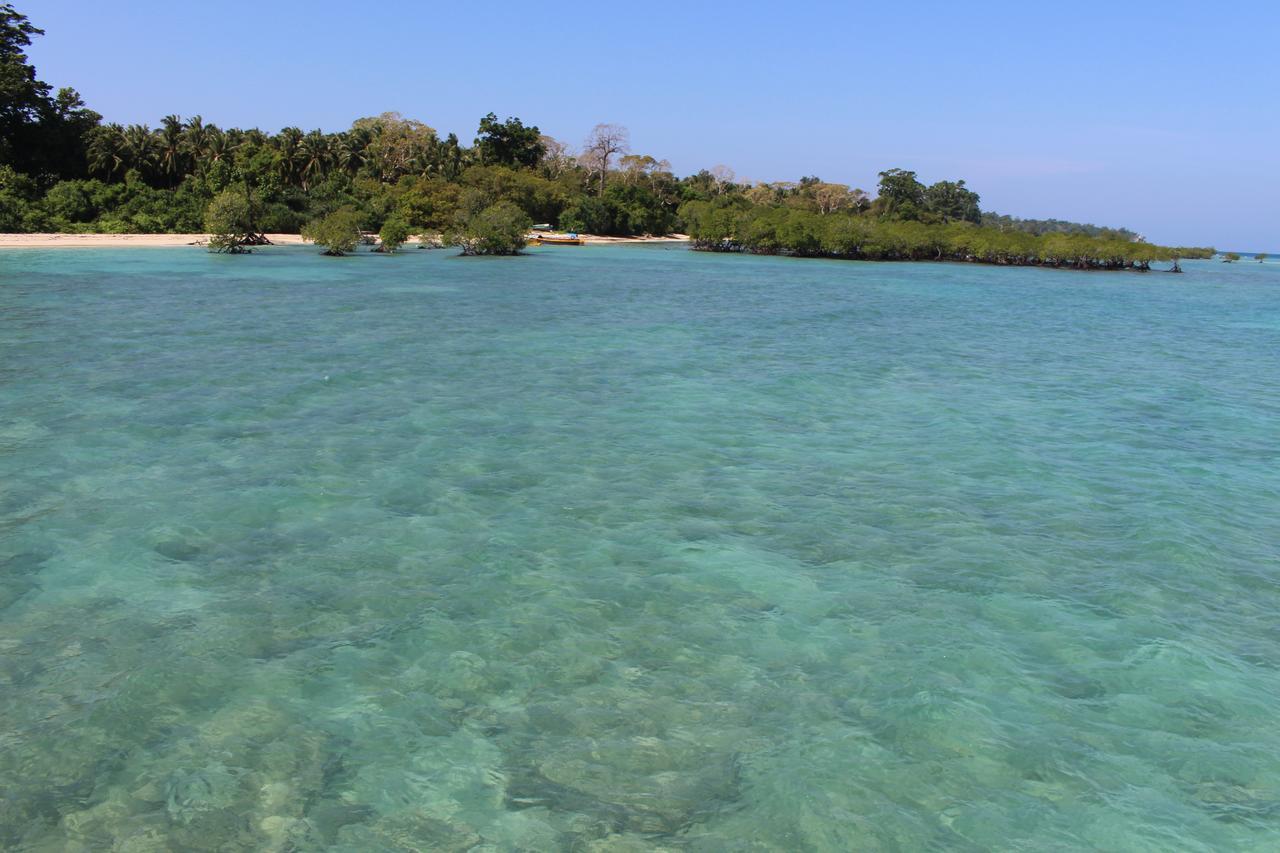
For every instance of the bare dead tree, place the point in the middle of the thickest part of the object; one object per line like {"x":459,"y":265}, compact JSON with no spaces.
{"x":557,"y":157}
{"x":605,"y":141}
{"x":723,"y":176}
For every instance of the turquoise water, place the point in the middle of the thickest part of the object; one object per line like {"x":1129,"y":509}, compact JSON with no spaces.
{"x":635,"y":548}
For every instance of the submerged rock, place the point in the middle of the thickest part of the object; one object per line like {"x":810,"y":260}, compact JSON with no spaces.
{"x":639,"y":784}
{"x":191,"y":793}
{"x":181,"y":544}
{"x":1231,"y":803}
{"x":407,"y":831}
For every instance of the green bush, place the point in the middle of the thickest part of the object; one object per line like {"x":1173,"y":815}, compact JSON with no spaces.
{"x":229,"y":221}
{"x":394,"y":233}
{"x":500,"y":229}
{"x":339,"y":232}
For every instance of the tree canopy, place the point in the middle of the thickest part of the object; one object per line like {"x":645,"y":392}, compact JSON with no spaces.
{"x":509,"y":143}
{"x":776,"y":228}
{"x":901,"y":196}
{"x":41,"y":133}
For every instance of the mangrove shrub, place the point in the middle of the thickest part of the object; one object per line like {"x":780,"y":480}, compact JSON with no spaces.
{"x":339,"y":232}
{"x":394,"y":233}
{"x":499,"y":229}
{"x":229,"y":221}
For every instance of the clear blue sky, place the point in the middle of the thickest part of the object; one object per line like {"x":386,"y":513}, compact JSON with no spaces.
{"x":1158,"y":116}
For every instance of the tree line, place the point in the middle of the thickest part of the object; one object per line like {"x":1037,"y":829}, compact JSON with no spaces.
{"x":63,"y":169}
{"x":908,"y":221}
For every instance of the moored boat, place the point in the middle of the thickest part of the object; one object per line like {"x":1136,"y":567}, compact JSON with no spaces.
{"x":558,"y":240}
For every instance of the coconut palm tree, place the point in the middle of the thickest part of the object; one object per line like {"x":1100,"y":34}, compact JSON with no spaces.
{"x":290,"y":161}
{"x":139,"y":149}
{"x":217,"y":146}
{"x":350,"y":149}
{"x":316,"y":157}
{"x":452,"y":157}
{"x":171,"y":152}
{"x":235,"y":138}
{"x":195,"y":139}
{"x":105,"y":150}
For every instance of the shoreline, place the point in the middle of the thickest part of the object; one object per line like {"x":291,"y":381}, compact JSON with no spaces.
{"x":1073,"y":265}
{"x":592,"y":239}
{"x":169,"y":241}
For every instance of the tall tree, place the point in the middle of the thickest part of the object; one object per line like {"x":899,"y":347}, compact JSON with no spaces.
{"x":452,"y":158}
{"x":217,"y":146}
{"x":106,"y":152}
{"x":556,"y":159}
{"x":41,"y":134}
{"x":901,"y":196}
{"x":23,"y":98}
{"x":951,"y":201}
{"x":395,"y":146}
{"x":723,"y":178}
{"x":828,"y":198}
{"x":171,"y":150}
{"x":289,"y":161}
{"x":605,"y":141}
{"x":349,"y":150}
{"x":508,"y":143}
{"x":139,"y":147}
{"x":195,"y":141}
{"x":644,"y":170}
{"x":315,"y":156}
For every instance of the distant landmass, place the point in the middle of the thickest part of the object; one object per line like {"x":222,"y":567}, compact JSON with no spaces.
{"x":1055,"y":226}
{"x":63,"y":170}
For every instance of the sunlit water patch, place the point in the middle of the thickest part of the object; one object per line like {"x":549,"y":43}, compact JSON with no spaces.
{"x":635,"y":548}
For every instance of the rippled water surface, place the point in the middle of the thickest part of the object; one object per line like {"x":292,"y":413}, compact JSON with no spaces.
{"x":634,"y":548}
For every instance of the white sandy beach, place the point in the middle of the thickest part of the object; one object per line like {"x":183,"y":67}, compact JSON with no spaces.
{"x":117,"y":241}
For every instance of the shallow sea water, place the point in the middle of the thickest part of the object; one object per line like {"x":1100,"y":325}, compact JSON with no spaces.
{"x":631,"y":548}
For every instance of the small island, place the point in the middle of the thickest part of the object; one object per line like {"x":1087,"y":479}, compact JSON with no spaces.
{"x":63,"y":170}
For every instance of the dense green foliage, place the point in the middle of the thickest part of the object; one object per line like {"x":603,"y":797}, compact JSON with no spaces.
{"x":907,"y":221}
{"x":394,"y":233}
{"x":41,"y":133}
{"x":509,"y":143}
{"x":338,"y":232}
{"x":903,"y":228}
{"x":63,"y":170}
{"x":229,"y":222}
{"x":502,"y":228}
{"x":1053,"y":226}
